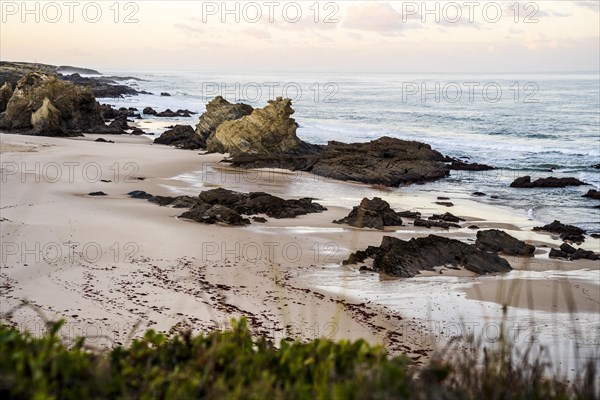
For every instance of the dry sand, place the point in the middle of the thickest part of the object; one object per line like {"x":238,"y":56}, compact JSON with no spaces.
{"x":114,"y":266}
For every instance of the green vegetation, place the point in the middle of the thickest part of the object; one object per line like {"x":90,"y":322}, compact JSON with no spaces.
{"x":232,"y":365}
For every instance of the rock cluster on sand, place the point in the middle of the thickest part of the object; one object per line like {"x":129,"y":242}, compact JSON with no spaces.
{"x":495,"y":240}
{"x":434,"y":224}
{"x":228,"y":206}
{"x":569,"y":252}
{"x":219,"y":110}
{"x":181,"y":136}
{"x":567,"y":232}
{"x":551,"y":182}
{"x":375,"y":213}
{"x":266,"y":131}
{"x":402,"y":258}
{"x":44,"y":105}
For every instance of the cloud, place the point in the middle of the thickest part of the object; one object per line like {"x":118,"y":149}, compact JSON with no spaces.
{"x":374,"y":17}
{"x":188,"y":29}
{"x":257,"y":33}
{"x":592,"y":5}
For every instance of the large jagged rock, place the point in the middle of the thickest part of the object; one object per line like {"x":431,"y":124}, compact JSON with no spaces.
{"x":46,"y":121}
{"x":78,"y":108}
{"x":566,"y":232}
{"x":6,"y":92}
{"x":406,"y":259}
{"x":495,"y":240}
{"x":375,"y":213}
{"x":384,"y":161}
{"x":267,"y":131}
{"x":181,"y":136}
{"x":219,"y":110}
{"x":592,"y":194}
{"x":551,"y":182}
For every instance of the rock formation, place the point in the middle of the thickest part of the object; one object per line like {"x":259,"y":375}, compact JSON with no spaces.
{"x":76,"y":105}
{"x":219,"y":110}
{"x":46,"y":121}
{"x":375,"y":213}
{"x":569,"y":252}
{"x":551,"y":182}
{"x":231,"y":203}
{"x":592,"y":194}
{"x":567,"y":232}
{"x":495,"y":240}
{"x":6,"y":92}
{"x":267,"y":131}
{"x":401,"y":258}
{"x":181,"y":136}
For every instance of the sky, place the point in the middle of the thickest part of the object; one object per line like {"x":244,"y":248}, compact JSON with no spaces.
{"x":305,"y":36}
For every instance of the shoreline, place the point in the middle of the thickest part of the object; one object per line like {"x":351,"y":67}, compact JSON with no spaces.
{"x":186,"y":268}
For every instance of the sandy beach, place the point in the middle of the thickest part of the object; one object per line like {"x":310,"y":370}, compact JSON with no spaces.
{"x":114,"y":266}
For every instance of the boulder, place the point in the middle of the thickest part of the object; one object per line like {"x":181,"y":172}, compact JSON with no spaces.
{"x":165,"y":94}
{"x":375,"y":213}
{"x":593,"y":194}
{"x":46,"y":121}
{"x":567,"y":232}
{"x":219,"y":110}
{"x":551,"y":182}
{"x":570,"y":253}
{"x":267,"y":131}
{"x":494,"y":240}
{"x":6,"y":92}
{"x":149,"y":111}
{"x":448,"y":217}
{"x":401,"y":258}
{"x":79,"y":111}
{"x":464,"y":166}
{"x":181,"y":136}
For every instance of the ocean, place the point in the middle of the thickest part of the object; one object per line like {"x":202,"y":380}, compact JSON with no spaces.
{"x":524,"y":124}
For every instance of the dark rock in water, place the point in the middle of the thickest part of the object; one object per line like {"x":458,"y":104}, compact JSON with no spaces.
{"x":597,"y":166}
{"x":495,"y":240}
{"x":149,"y":111}
{"x":139,"y":194}
{"x":165,"y":94}
{"x":397,"y":257}
{"x":385,"y":161}
{"x":567,"y":232}
{"x":181,"y":136}
{"x":101,"y":86}
{"x":551,"y":182}
{"x":443,"y":198}
{"x":102,"y":140}
{"x":364,"y":268}
{"x":185,"y":111}
{"x":97,"y":194}
{"x":260,"y":220}
{"x":494,"y":197}
{"x":593,"y":194}
{"x":474,"y":227}
{"x":445,"y":203}
{"x":44,"y":105}
{"x":595,"y":235}
{"x":448,"y":217}
{"x":434,"y":224}
{"x":478,"y":194}
{"x":208,"y":214}
{"x":463,"y":166}
{"x":6,"y":92}
{"x":167,"y":113}
{"x":218,"y":111}
{"x":375,"y":213}
{"x":409,"y":214}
